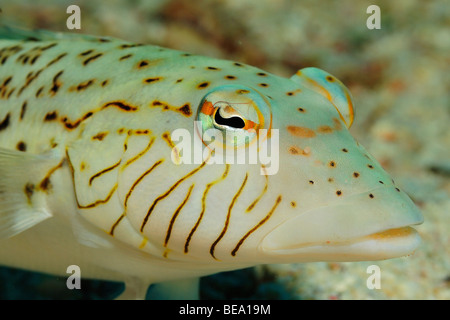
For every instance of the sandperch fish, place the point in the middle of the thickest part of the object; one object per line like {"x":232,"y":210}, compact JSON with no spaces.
{"x":92,"y":175}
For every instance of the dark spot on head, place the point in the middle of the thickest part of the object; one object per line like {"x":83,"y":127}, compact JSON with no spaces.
{"x":264,"y":85}
{"x":179,"y":80}
{"x":293,"y":204}
{"x":339,"y":192}
{"x":143,"y":63}
{"x":85,"y":85}
{"x":311,"y":182}
{"x":370,"y":166}
{"x":301,"y":109}
{"x":330,"y":78}
{"x":92,"y":58}
{"x":356,"y":174}
{"x":51,"y":45}
{"x":100,"y":136}
{"x":39,"y":91}
{"x":381,"y":182}
{"x":5,"y":123}
{"x":330,"y":179}
{"x":119,"y":104}
{"x":230,"y":77}
{"x":371,"y":196}
{"x":34,"y":59}
{"x":290,"y":93}
{"x":203,"y":85}
{"x":242,"y":91}
{"x":237,"y":64}
{"x":7,"y":80}
{"x":23,"y":110}
{"x":21,"y":146}
{"x":126,"y":56}
{"x":397,"y":189}
{"x":262,"y":74}
{"x":151,"y":80}
{"x":62,"y":55}
{"x":186,"y":54}
{"x":212,"y":68}
{"x":10,"y":93}
{"x":104,"y":82}
{"x":51,"y":116}
{"x":186,"y":110}
{"x":85,"y":53}
{"x":130,"y":45}
{"x":332,"y":164}
{"x":56,"y":83}
{"x":344,"y":150}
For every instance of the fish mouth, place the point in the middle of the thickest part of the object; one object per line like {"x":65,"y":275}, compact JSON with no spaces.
{"x":351,"y":230}
{"x":391,"y":243}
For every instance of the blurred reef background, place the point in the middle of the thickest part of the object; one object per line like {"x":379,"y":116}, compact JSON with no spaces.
{"x":400,"y":80}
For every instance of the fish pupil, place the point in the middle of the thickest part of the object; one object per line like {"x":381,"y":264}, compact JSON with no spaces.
{"x":233,"y":122}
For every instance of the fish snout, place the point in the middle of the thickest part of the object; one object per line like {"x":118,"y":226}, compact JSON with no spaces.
{"x":372,"y":225}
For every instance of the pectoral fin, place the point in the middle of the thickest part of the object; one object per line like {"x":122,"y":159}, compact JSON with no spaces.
{"x":24,"y":183}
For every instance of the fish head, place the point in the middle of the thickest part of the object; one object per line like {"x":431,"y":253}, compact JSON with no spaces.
{"x":280,"y":179}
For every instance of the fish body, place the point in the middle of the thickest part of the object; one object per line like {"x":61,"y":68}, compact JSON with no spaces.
{"x":110,"y":160}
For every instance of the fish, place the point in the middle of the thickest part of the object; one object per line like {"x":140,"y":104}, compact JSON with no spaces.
{"x":153,"y":166}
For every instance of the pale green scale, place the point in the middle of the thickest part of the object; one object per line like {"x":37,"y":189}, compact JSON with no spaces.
{"x":91,"y":169}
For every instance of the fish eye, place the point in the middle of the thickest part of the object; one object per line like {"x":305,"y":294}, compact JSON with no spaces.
{"x":232,"y":116}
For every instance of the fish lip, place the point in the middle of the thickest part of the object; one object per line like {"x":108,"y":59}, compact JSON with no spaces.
{"x":387,"y":244}
{"x":348,"y":230}
{"x":384,"y":235}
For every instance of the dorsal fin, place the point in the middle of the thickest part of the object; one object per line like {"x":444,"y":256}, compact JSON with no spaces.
{"x":13,"y":33}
